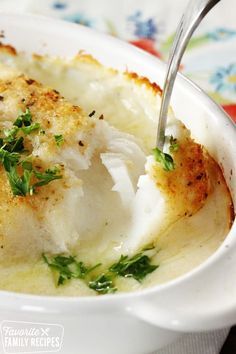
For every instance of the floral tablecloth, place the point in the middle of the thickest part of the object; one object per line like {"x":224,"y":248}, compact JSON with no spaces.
{"x":210,"y":61}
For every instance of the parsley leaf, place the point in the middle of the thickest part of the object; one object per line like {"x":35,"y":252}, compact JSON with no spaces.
{"x":27,"y":165}
{"x":68,"y":268}
{"x":10,"y":147}
{"x":59,"y":140}
{"x":103,"y":284}
{"x":47,"y":176}
{"x":8,"y":159}
{"x":11,"y":143}
{"x":136,"y":267}
{"x":30,"y":128}
{"x":20,"y":185}
{"x":165,"y":160}
{"x":174,"y":146}
{"x":61,"y":265}
{"x":24,"y":119}
{"x":10,"y":134}
{"x":16,"y":146}
{"x":24,"y":122}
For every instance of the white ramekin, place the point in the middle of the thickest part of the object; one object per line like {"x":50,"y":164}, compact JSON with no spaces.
{"x":140,"y":322}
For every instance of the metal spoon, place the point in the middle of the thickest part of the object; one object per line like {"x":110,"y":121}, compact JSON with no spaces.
{"x":193,"y":15}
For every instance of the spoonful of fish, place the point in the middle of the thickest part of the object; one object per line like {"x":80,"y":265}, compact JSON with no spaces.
{"x":193,"y":15}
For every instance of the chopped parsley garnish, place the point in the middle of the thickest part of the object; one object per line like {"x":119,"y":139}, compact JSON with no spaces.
{"x":20,"y":185}
{"x":174,"y":146}
{"x":11,"y":142}
{"x":27,"y":165}
{"x":59,"y":140}
{"x":67,"y":268}
{"x":164,"y":159}
{"x":8,"y":159}
{"x":136,"y":267}
{"x":47,"y":176}
{"x":24,"y":119}
{"x":29,"y":129}
{"x":24,"y":122}
{"x":16,"y":146}
{"x":20,"y":172}
{"x":10,"y":134}
{"x":103,"y":284}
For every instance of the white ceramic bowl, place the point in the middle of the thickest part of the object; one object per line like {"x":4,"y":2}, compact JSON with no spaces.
{"x":140,"y":322}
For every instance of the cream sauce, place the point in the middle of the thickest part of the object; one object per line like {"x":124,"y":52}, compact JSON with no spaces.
{"x":183,"y":246}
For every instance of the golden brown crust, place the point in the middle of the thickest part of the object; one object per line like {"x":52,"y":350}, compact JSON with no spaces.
{"x":55,"y":116}
{"x":188,"y":185}
{"x":141,"y":80}
{"x":7,"y":48}
{"x":82,"y":56}
{"x":46,"y":105}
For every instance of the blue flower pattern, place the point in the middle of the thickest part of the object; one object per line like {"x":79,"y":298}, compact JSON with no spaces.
{"x":143,"y":28}
{"x":59,"y":5}
{"x":221,"y":34}
{"x":224,"y":79}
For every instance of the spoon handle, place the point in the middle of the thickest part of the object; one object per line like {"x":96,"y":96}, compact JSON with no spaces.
{"x":193,"y":15}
